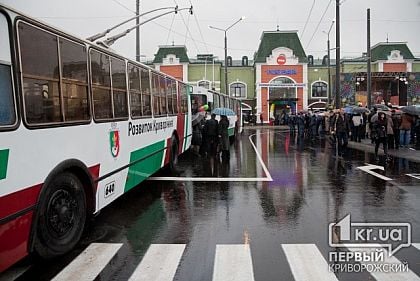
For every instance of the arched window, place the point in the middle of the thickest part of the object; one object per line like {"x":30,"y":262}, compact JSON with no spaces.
{"x":237,"y":90}
{"x":204,"y":84}
{"x":280,"y":88}
{"x":319,"y":90}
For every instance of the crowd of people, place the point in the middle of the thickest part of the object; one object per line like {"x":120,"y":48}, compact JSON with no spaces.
{"x":211,"y":138}
{"x":391,"y":129}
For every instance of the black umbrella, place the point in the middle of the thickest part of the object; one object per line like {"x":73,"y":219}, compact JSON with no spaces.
{"x":359,"y":109}
{"x":412,"y":109}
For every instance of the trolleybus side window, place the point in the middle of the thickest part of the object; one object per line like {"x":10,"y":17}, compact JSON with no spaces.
{"x":155,"y":91}
{"x":101,"y":85}
{"x":39,"y":57}
{"x":162,"y":95}
{"x":135,"y":92}
{"x":54,"y":77}
{"x":119,"y":88}
{"x":183,"y":90}
{"x":172,"y":86}
{"x":74,"y":81}
{"x":146,"y":93}
{"x":169,"y":95}
{"x":7,"y":108}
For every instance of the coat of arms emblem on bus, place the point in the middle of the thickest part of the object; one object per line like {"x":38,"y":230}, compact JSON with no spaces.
{"x":114,"y":140}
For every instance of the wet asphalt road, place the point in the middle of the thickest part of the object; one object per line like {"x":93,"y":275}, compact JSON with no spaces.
{"x":310,"y":188}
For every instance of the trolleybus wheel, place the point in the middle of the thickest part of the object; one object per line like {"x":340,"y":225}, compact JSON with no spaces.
{"x":61,"y":216}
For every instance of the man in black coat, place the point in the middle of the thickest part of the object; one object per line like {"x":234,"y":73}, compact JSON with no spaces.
{"x":211,"y":133}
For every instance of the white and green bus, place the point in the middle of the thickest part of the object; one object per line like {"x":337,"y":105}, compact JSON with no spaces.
{"x":79,"y":127}
{"x":201,"y":96}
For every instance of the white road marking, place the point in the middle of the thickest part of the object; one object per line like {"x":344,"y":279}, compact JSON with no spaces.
{"x":416,"y":176}
{"x":307,"y":263}
{"x":417,"y":245}
{"x":387,"y":276}
{"x":215,"y":179}
{"x":159,"y":263}
{"x":204,"y":179}
{"x":90,"y":262}
{"x":233,"y":263}
{"x":368,"y":169}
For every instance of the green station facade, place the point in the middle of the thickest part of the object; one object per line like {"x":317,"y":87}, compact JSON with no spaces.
{"x":282,"y":76}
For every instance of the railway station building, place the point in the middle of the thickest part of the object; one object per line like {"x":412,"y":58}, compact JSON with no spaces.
{"x":282,"y":76}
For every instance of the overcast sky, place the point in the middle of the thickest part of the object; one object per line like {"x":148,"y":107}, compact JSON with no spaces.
{"x":397,"y":20}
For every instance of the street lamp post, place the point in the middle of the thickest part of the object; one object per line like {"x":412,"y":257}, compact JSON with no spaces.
{"x":329,"y":64}
{"x":225,"y":31}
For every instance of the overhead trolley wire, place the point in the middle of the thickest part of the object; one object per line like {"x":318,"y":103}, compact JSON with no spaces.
{"x":307,"y":20}
{"x":316,"y":29}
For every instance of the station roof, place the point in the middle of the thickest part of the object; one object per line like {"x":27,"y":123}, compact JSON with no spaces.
{"x":179,"y":51}
{"x":382,"y":50}
{"x":271,"y":40}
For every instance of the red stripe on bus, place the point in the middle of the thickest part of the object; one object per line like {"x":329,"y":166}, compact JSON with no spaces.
{"x":17,"y":201}
{"x":180,"y":128}
{"x":94,"y":173}
{"x":168,"y":151}
{"x":14,"y":240}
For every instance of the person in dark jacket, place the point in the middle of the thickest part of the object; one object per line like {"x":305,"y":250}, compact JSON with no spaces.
{"x":211,"y":132}
{"x":224,"y":137}
{"x":380,"y":130}
{"x":341,"y":128}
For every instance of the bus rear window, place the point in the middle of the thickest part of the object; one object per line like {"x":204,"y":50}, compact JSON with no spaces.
{"x":7,"y":108}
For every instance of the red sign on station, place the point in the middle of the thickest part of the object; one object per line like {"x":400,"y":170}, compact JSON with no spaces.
{"x":281,"y":59}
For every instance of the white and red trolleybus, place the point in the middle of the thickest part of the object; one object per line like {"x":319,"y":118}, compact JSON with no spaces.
{"x":201,"y":96}
{"x":79,"y":126}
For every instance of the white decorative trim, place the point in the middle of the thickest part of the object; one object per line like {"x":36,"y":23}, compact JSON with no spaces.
{"x":170,"y":59}
{"x":395,"y":57}
{"x":258,"y":67}
{"x":380,"y":67}
{"x":185,"y":72}
{"x":291,"y":59}
{"x":204,"y":80}
{"x":157,"y":67}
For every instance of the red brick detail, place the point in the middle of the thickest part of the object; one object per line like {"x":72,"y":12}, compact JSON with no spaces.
{"x":395,"y":67}
{"x":173,"y":70}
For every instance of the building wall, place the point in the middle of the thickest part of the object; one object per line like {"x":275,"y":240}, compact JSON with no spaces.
{"x":198,"y":72}
{"x":416,"y":66}
{"x":243,"y":74}
{"x":173,"y":70}
{"x":395,"y":67}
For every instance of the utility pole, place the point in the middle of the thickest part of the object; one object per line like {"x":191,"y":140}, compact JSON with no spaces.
{"x":369,"y":60}
{"x":337,"y":54}
{"x":226,"y":71}
{"x":138,"y":31}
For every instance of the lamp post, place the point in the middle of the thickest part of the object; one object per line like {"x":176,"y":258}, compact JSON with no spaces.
{"x":337,"y":54}
{"x":225,"y":31}
{"x":329,"y":65}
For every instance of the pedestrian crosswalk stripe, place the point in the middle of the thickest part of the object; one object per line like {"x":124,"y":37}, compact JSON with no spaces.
{"x":89,"y":263}
{"x":160,"y":263}
{"x":387,"y":276}
{"x":417,"y":245}
{"x":233,"y":262}
{"x":307,"y":262}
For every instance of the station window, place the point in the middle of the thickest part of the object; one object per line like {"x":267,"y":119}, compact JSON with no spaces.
{"x":204,"y":84}
{"x":7,"y":107}
{"x":54,"y":90}
{"x":237,"y":90}
{"x":319,"y":90}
